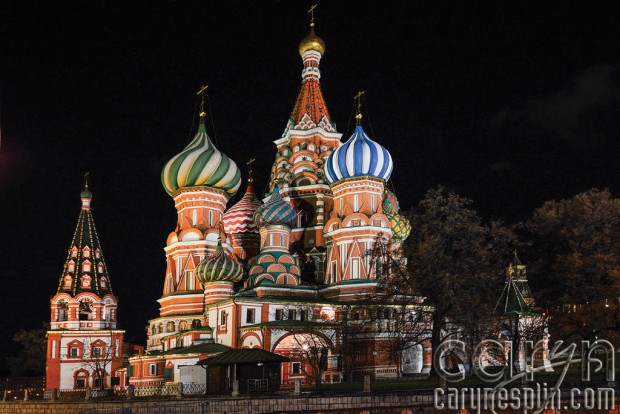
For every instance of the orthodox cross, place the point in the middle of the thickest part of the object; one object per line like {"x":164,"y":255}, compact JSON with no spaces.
{"x":201,"y":92}
{"x":249,"y":163}
{"x":311,"y":11}
{"x":86,"y":180}
{"x":358,"y":114}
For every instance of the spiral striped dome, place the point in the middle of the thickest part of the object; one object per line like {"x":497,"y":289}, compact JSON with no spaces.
{"x":390,"y":203}
{"x":240,"y":217}
{"x":275,"y":211}
{"x":201,"y":164}
{"x":359,"y":156}
{"x":219,"y":268}
{"x":400,"y":226}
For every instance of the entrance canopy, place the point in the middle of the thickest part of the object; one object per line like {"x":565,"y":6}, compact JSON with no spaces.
{"x":243,"y":356}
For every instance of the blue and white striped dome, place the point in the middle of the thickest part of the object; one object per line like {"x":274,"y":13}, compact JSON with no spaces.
{"x":359,"y":156}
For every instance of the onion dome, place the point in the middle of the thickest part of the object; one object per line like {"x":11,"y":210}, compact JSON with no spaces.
{"x":400,"y":226}
{"x":312,"y":42}
{"x":390,"y":203}
{"x":219,"y":268}
{"x":240,"y":217}
{"x":275,"y":211}
{"x":359,"y":156}
{"x":201,"y":164}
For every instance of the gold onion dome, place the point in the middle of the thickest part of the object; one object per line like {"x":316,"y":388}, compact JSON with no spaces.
{"x":312,"y":42}
{"x":219,"y":267}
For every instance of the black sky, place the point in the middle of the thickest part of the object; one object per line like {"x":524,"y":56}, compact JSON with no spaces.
{"x":508,"y":103}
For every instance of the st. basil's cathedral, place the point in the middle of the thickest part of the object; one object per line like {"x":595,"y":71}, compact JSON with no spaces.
{"x":282,"y":274}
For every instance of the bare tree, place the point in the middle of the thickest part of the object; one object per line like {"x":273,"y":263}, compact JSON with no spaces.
{"x":97,"y":357}
{"x":312,"y":351}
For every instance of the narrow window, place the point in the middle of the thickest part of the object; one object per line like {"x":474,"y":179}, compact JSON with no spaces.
{"x":292,"y":314}
{"x":296,"y":367}
{"x":355,"y":203}
{"x":190,"y":280}
{"x":303,"y":315}
{"x":153,"y":369}
{"x":223,"y":318}
{"x":249,"y":317}
{"x":195,"y":217}
{"x":355,"y":269}
{"x":279,"y":314}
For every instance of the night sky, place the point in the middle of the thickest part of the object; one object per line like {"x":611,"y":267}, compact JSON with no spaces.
{"x":510,"y":104}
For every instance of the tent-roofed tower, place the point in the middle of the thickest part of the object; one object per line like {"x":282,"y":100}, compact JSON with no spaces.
{"x":83,"y":323}
{"x":516,"y":296}
{"x":298,"y":171}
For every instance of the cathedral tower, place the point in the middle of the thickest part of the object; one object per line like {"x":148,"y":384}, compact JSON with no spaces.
{"x":83,"y":335}
{"x":200,"y":179}
{"x":357,"y":172}
{"x":298,"y":171}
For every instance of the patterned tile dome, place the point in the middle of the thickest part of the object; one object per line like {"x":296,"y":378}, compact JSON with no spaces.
{"x":400,"y":226}
{"x":240,"y":217}
{"x":390,"y":203}
{"x":276,"y":211}
{"x":359,"y":156}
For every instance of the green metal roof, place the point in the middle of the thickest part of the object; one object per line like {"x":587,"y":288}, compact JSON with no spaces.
{"x":243,"y":356}
{"x":210,"y":348}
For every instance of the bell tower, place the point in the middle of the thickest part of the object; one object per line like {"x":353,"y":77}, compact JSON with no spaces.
{"x":84,"y":344}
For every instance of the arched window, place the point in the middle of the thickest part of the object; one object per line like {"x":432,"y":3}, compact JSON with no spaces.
{"x":196,"y":324}
{"x":183,"y":326}
{"x":85,"y":309}
{"x":85,"y":281}
{"x":63,"y":309}
{"x":74,"y":251}
{"x":86,"y":251}
{"x":103,"y":282}
{"x":100,"y":267}
{"x":98,"y":253}
{"x":80,"y":379}
{"x":170,"y":327}
{"x":71,"y":267}
{"x":68,"y":282}
{"x":86,"y":266}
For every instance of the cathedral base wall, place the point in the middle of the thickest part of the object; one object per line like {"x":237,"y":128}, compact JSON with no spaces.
{"x":236,"y":405}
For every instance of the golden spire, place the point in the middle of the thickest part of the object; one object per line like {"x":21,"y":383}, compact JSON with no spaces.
{"x":201,"y":92}
{"x":249,"y":163}
{"x":312,"y":41}
{"x":358,"y":112}
{"x":86,"y":180}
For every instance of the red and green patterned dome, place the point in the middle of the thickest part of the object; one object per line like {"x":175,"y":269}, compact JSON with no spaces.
{"x":390,"y":203}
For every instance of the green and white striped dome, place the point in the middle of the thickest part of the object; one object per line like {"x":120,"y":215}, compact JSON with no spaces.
{"x":201,"y":164}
